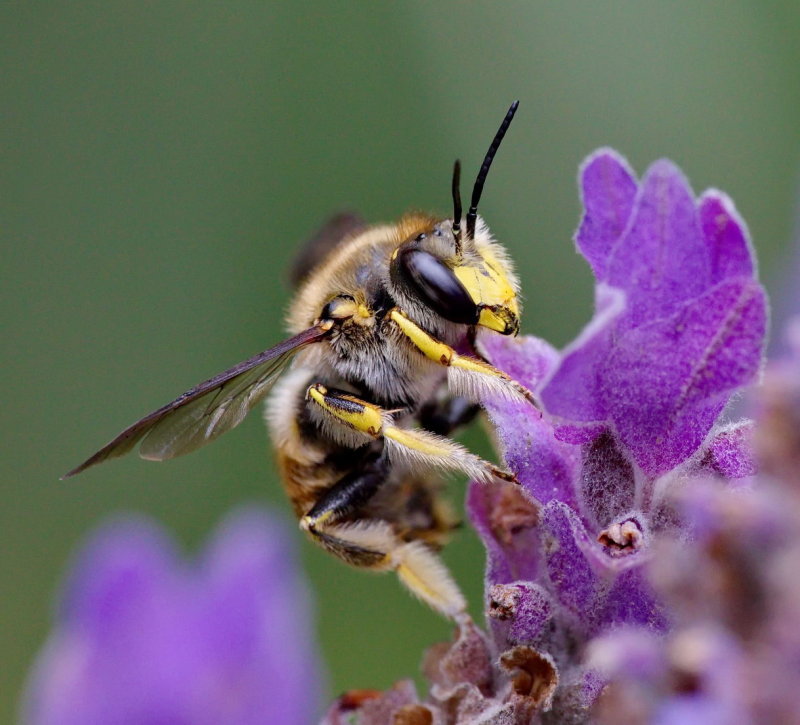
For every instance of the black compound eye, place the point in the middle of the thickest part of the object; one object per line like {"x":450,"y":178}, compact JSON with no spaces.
{"x":433,"y":283}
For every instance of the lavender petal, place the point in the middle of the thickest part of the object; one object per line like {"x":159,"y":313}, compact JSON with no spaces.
{"x":667,"y":381}
{"x":726,"y":235}
{"x":662,"y":259}
{"x":608,"y":190}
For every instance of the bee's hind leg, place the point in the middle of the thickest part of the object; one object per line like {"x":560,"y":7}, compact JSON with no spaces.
{"x":373,"y":543}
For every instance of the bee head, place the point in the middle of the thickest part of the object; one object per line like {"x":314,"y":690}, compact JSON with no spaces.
{"x":463,"y":283}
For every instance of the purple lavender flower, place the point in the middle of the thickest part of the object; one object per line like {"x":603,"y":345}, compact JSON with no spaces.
{"x":632,"y":414}
{"x":679,"y":321}
{"x":732,"y":587}
{"x":144,"y":638}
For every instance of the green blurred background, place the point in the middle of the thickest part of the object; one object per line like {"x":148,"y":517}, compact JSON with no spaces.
{"x":161,"y":162}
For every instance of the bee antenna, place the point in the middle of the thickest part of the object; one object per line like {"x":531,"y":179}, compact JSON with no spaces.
{"x":457,"y":204}
{"x":477,"y":190}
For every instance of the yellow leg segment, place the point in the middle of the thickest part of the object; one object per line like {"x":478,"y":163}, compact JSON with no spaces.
{"x":467,"y":370}
{"x":351,"y":411}
{"x":414,"y":448}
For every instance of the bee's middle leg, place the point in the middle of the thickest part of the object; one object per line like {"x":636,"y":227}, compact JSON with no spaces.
{"x":416,"y":449}
{"x":371,"y":543}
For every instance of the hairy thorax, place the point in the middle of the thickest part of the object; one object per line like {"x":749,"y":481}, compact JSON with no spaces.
{"x":367,"y":354}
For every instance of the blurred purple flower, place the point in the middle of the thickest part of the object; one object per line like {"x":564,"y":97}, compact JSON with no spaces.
{"x":143,"y":638}
{"x":632,"y":414}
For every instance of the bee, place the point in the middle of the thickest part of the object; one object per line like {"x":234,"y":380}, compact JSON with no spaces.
{"x":385,"y":366}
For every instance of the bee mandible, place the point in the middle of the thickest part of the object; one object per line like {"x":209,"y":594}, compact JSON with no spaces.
{"x":385,"y":366}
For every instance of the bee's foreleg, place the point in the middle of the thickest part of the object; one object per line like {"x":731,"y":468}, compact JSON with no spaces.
{"x":466,"y":375}
{"x":416,"y":449}
{"x":373,"y":543}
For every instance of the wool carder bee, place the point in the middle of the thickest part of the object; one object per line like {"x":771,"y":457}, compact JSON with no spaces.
{"x":385,"y":366}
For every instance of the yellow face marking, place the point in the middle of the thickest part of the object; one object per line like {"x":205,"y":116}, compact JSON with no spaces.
{"x":486,"y":286}
{"x":469,"y":277}
{"x":497,"y":319}
{"x":495,"y":269}
{"x":489,"y":288}
{"x":429,"y":346}
{"x":351,"y":411}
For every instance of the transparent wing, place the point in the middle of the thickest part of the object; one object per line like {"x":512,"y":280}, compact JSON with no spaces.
{"x":207,"y":410}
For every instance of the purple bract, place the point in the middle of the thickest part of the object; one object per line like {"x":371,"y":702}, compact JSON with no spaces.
{"x":142,"y":637}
